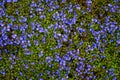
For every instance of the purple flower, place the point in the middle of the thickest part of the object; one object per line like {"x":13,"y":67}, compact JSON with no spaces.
{"x":63,"y":1}
{"x":116,"y":0}
{"x":3,"y":72}
{"x":14,"y":36}
{"x":70,"y":10}
{"x":21,"y":73}
{"x":114,"y":78}
{"x":33,"y":4}
{"x":62,"y":62}
{"x":49,"y":27}
{"x":29,"y":44}
{"x":9,"y":0}
{"x":0,"y":58}
{"x":48,"y":59}
{"x":67,"y":57}
{"x":94,"y":20}
{"x":110,"y":5}
{"x":5,"y":37}
{"x":118,"y":41}
{"x":40,"y":79}
{"x":118,"y":11}
{"x":42,"y":16}
{"x":112,"y":10}
{"x":80,"y":30}
{"x":32,"y":63}
{"x":27,"y":52}
{"x":36,"y":42}
{"x":22,"y":19}
{"x":15,"y":0}
{"x":26,"y":66}
{"x":41,"y":54}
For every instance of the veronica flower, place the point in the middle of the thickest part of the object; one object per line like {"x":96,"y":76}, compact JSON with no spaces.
{"x":27,"y":52}
{"x":63,"y":1}
{"x":80,"y":30}
{"x":67,"y":57}
{"x":33,"y":4}
{"x":36,"y":42}
{"x":62,"y":62}
{"x":49,"y":27}
{"x":3,"y":72}
{"x":112,"y":10}
{"x":70,"y":10}
{"x":48,"y":59}
{"x":109,"y":5}
{"x":40,"y":55}
{"x":41,"y":29}
{"x":15,"y":0}
{"x":41,"y":79}
{"x":0,"y":57}
{"x":42,"y":16}
{"x":32,"y":63}
{"x":28,"y":42}
{"x":118,"y":11}
{"x":22,"y":19}
{"x":9,"y":0}
{"x":118,"y":41}
{"x":5,"y":37}
{"x":14,"y":36}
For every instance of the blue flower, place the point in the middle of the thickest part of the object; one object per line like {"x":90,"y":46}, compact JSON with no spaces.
{"x":80,"y":30}
{"x":110,"y":5}
{"x":116,"y":0}
{"x":14,"y":36}
{"x":70,"y":10}
{"x":3,"y":72}
{"x":27,"y":51}
{"x":5,"y":37}
{"x":62,"y":62}
{"x":41,"y":79}
{"x":15,"y":0}
{"x":21,"y":74}
{"x":36,"y":42}
{"x":32,"y":63}
{"x":26,"y":66}
{"x":33,"y":4}
{"x":9,"y":0}
{"x":118,"y":11}
{"x":67,"y":57}
{"x":48,"y":59}
{"x":114,"y":78}
{"x":42,"y":16}
{"x":17,"y":12}
{"x":94,"y":20}
{"x":28,"y":42}
{"x":49,"y":27}
{"x":63,"y":1}
{"x":40,"y":55}
{"x":0,"y":57}
{"x":118,"y":41}
{"x":112,"y":10}
{"x":22,"y":19}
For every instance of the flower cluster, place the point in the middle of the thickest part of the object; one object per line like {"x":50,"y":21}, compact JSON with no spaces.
{"x":62,"y":45}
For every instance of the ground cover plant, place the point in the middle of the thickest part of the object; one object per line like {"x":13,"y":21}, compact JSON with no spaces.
{"x":59,"y":40}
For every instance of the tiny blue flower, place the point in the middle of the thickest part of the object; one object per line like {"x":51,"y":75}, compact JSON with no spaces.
{"x":15,"y":0}
{"x":21,"y":74}
{"x":40,"y":55}
{"x":0,"y":58}
{"x":14,"y":36}
{"x":63,"y":1}
{"x":118,"y":41}
{"x":9,"y":0}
